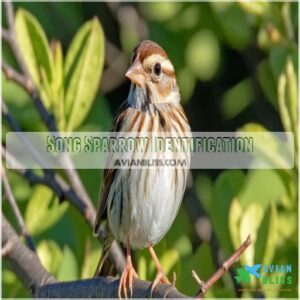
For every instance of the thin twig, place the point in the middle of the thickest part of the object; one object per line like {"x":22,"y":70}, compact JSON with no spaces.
{"x":13,"y":204}
{"x":204,"y":286}
{"x":17,"y":77}
{"x":12,"y":36}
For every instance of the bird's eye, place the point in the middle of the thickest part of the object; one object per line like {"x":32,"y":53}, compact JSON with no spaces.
{"x":157,"y":69}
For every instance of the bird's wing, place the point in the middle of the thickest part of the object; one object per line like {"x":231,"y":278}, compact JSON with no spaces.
{"x":108,"y":178}
{"x":109,"y":174}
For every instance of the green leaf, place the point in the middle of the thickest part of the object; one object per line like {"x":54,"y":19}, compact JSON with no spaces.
{"x":34,"y":48}
{"x":256,"y":8}
{"x":277,"y":59}
{"x":235,"y":214}
{"x":272,"y":153}
{"x":90,"y":262}
{"x":237,"y":98}
{"x":266,"y":240}
{"x":142,"y":268}
{"x":160,"y":11}
{"x":169,"y":259}
{"x":234,"y":24}
{"x":250,"y":222}
{"x":187,"y":83}
{"x":226,"y":188}
{"x":68,"y":269}
{"x":283,"y":109}
{"x":287,"y":225}
{"x":267,"y":82}
{"x":58,"y":87}
{"x":292,"y":92}
{"x":203,"y":54}
{"x":43,"y":210}
{"x":83,"y":69}
{"x":50,"y":255}
{"x":257,"y":188}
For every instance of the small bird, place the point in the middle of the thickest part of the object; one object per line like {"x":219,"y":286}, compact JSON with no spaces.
{"x":138,"y":206}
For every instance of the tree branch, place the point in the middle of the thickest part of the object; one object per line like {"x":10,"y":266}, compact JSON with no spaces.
{"x":17,"y":77}
{"x":24,"y":262}
{"x":104,"y":287}
{"x":28,"y":268}
{"x":63,"y":191}
{"x":12,"y":201}
{"x":42,"y":285}
{"x":204,"y":286}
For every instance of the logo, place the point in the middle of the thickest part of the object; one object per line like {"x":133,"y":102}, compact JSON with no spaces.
{"x":266,"y":274}
{"x":244,"y":273}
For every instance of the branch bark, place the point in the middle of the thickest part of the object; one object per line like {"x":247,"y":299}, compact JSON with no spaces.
{"x":28,"y":268}
{"x":204,"y":286}
{"x":104,"y":287}
{"x":23,"y":261}
{"x":41,"y":284}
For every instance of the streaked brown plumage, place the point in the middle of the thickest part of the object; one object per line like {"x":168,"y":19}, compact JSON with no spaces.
{"x":138,"y":206}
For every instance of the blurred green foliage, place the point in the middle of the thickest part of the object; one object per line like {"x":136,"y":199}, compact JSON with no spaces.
{"x":237,"y":68}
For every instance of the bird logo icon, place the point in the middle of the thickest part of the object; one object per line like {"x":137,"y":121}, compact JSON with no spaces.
{"x":245,"y":272}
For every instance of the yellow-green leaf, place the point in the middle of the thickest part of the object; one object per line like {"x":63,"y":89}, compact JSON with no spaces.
{"x":265,"y":245}
{"x":34,"y":47}
{"x":68,"y":269}
{"x":58,"y":85}
{"x":43,"y":210}
{"x":50,"y":255}
{"x":90,"y":262}
{"x":235,"y":213}
{"x":250,"y":222}
{"x":83,"y":69}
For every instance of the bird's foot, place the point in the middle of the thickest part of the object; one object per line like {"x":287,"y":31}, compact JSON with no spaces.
{"x":160,"y":278}
{"x":126,"y":280}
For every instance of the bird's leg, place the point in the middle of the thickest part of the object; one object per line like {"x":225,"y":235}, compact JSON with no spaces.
{"x":127,"y":275}
{"x":160,"y":277}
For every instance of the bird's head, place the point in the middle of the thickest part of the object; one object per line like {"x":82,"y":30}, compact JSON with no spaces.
{"x":152,"y":73}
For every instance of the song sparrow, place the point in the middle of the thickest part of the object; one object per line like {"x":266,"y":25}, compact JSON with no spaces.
{"x":138,"y":206}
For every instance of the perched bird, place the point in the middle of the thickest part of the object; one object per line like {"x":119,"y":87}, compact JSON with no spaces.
{"x":138,"y":206}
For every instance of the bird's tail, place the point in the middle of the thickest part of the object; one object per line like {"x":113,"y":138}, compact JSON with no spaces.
{"x":101,"y":270}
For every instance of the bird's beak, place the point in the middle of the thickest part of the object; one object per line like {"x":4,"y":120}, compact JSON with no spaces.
{"x":136,"y":73}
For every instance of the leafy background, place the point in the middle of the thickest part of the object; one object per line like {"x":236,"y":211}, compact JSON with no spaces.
{"x":237,"y":68}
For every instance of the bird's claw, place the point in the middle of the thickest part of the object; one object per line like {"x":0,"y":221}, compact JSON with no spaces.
{"x":160,"y":278}
{"x":126,"y":280}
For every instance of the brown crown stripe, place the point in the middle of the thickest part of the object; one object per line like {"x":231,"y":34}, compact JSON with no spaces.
{"x":148,"y":48}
